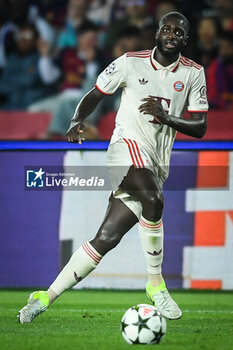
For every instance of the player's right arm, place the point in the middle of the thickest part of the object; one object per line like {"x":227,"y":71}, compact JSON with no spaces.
{"x":113,"y":77}
{"x":85,"y":107}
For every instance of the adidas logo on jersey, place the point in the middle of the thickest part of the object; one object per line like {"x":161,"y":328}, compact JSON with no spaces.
{"x":143,"y":81}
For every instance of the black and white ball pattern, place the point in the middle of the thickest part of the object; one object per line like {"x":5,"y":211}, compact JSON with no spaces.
{"x":143,"y":324}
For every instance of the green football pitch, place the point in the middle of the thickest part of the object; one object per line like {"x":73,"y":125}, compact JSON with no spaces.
{"x":91,"y":320}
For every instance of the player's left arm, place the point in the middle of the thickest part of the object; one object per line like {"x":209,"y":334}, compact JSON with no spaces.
{"x":196,"y":126}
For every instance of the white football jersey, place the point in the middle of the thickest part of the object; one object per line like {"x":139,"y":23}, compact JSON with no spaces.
{"x":180,"y":86}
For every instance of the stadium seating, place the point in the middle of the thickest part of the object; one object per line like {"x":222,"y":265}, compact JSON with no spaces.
{"x":21,"y":125}
{"x":220,"y":126}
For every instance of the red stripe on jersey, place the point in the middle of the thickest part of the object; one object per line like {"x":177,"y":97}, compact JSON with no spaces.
{"x":139,"y":153}
{"x":105,"y":93}
{"x":138,"y":56}
{"x":134,"y":151}
{"x":152,"y":63}
{"x":91,"y":253}
{"x":189,"y":64}
{"x":186,"y":60}
{"x":138,"y":52}
{"x":173,"y":70}
{"x":191,"y":61}
{"x":131,"y":154}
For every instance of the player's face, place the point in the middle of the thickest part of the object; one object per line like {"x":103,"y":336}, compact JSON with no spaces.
{"x":171,"y":37}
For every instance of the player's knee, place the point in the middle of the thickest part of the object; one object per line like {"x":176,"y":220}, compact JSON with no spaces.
{"x":153,"y":204}
{"x":155,"y":200}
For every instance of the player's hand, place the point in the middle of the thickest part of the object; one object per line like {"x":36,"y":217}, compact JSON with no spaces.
{"x":154,"y":108}
{"x":74,"y":134}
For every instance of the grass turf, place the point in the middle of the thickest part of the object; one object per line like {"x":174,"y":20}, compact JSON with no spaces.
{"x":91,"y":320}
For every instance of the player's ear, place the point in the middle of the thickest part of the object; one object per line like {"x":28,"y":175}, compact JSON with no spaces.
{"x":185,"y":40}
{"x":156,"y":34}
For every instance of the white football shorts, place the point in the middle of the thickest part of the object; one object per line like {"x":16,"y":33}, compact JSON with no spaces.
{"x":121,"y":155}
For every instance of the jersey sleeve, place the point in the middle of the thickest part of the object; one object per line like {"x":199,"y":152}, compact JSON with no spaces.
{"x":197,"y":100}
{"x":113,"y":77}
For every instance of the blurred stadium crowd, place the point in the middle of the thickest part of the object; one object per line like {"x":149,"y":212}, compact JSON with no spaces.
{"x":51,"y":52}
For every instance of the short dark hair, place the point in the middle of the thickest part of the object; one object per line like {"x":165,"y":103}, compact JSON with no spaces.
{"x":129,"y":32}
{"x":176,"y":15}
{"x":87,"y":26}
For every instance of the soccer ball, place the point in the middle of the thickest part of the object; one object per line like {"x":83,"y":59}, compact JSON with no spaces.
{"x":143,"y":324}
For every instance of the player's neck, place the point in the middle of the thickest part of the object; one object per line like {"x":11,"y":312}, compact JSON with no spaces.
{"x":163,"y":60}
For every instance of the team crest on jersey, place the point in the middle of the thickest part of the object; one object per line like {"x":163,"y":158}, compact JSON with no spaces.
{"x":178,"y":86}
{"x":110,"y":69}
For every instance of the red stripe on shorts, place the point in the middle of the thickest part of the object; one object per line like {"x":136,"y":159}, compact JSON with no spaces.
{"x":139,"y":153}
{"x":134,"y":151}
{"x":130,"y":151}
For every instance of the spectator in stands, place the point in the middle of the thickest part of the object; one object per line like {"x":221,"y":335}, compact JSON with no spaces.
{"x":7,"y":30}
{"x":148,"y":37}
{"x":24,"y":79}
{"x":80,"y":67}
{"x":206,"y":48}
{"x":76,"y":17}
{"x":129,"y":39}
{"x":100,"y":11}
{"x":224,"y":10}
{"x":220,"y":73}
{"x":21,"y":11}
{"x":53,"y":11}
{"x":136,"y":15}
{"x":162,"y":8}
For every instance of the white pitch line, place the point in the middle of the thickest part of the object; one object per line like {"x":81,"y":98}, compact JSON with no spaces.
{"x":211,"y":311}
{"x":122,"y":310}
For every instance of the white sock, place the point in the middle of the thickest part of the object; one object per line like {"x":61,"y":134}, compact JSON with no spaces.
{"x":151,"y":235}
{"x":81,"y":263}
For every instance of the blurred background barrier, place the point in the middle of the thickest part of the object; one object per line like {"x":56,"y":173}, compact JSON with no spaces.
{"x":220,"y":127}
{"x":21,"y":125}
{"x":41,"y":229}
